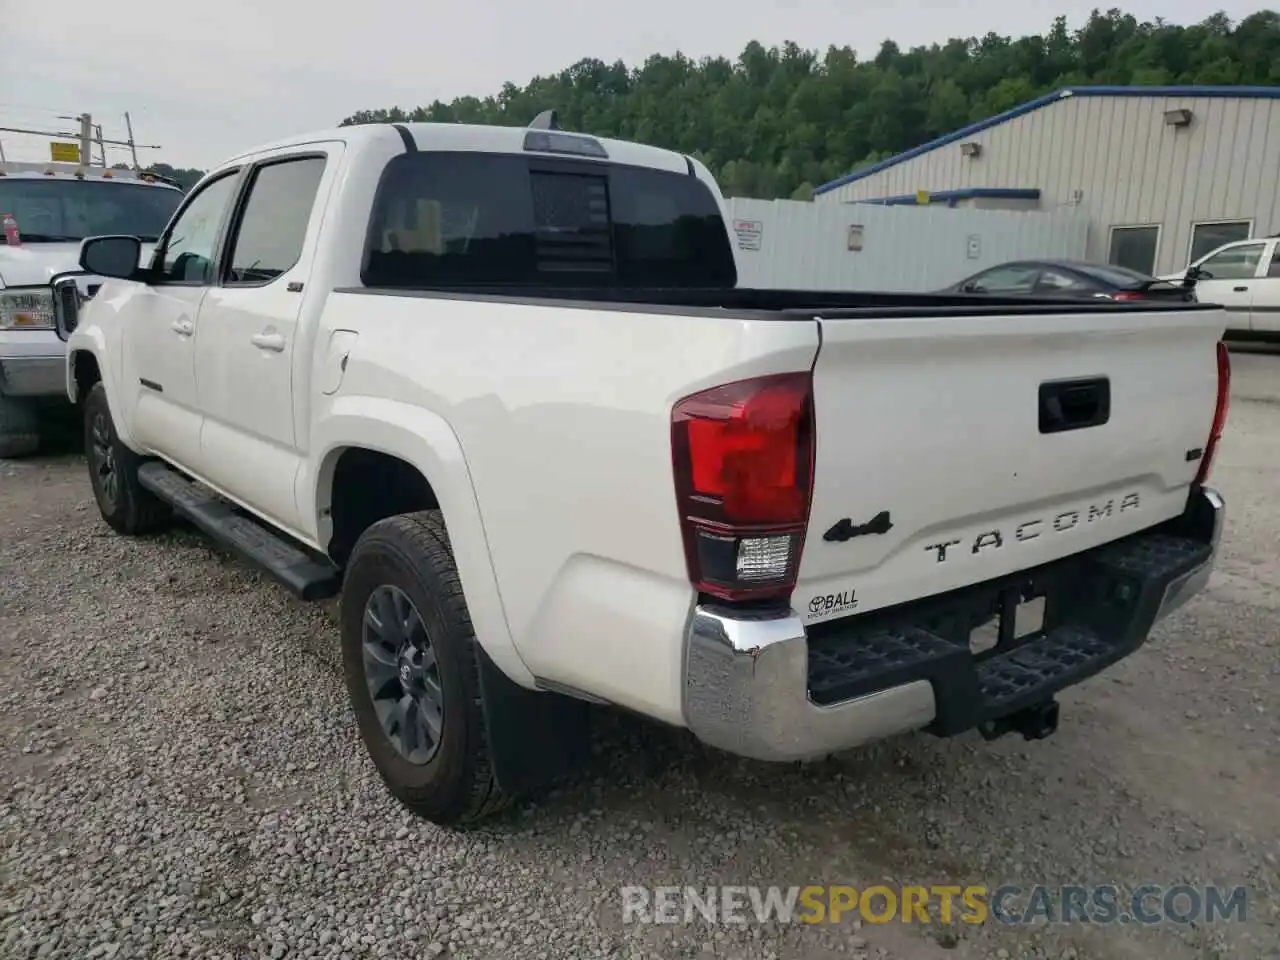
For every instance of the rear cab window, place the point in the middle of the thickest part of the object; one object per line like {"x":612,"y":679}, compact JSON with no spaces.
{"x":458,"y":219}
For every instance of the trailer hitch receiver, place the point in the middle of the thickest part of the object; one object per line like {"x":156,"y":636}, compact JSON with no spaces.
{"x":1034,"y":723}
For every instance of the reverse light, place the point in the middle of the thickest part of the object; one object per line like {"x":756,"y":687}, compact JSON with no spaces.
{"x":743,"y":460}
{"x":1219,"y":412}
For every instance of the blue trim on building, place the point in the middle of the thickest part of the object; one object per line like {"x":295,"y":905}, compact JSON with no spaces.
{"x":951,"y":197}
{"x":1244,"y":93}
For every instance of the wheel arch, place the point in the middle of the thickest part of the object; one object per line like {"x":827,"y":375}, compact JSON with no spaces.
{"x":87,"y":364}
{"x":374,"y":433}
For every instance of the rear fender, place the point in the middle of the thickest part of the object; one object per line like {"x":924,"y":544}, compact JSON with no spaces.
{"x":424,"y":440}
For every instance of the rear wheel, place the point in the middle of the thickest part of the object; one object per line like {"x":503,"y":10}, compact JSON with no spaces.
{"x":124,"y":503}
{"x":411,"y":666}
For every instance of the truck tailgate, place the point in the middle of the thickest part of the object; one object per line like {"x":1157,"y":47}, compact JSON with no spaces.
{"x":954,"y":449}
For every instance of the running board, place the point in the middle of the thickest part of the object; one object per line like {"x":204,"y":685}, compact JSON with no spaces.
{"x":306,"y":576}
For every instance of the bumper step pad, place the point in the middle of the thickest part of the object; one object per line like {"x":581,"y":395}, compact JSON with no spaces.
{"x":1099,"y":607}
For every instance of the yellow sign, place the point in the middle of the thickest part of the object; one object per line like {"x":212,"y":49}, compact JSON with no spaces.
{"x":64,"y":152}
{"x":922,"y":197}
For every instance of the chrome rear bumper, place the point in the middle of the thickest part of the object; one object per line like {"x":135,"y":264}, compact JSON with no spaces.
{"x":747,"y":678}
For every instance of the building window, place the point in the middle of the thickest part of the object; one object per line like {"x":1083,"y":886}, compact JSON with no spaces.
{"x":1135,"y":247}
{"x":1207,"y":237}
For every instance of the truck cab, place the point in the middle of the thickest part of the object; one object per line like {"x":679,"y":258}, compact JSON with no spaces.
{"x":48,"y":209}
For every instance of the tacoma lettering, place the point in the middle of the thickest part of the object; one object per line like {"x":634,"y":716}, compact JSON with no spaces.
{"x":1063,"y":522}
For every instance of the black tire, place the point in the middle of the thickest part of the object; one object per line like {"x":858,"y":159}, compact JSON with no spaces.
{"x":113,"y":473}
{"x":19,"y":429}
{"x":409,"y":556}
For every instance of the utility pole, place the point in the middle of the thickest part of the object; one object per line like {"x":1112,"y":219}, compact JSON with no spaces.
{"x":86,"y":139}
{"x":133,"y":149}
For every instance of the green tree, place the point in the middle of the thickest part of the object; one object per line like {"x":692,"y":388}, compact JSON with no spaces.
{"x":186,"y":177}
{"x":776,"y":120}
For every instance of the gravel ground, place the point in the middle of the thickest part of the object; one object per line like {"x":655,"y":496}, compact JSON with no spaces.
{"x":181,"y":778}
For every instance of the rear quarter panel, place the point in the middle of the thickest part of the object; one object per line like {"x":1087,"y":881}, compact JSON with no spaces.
{"x":562,"y":414}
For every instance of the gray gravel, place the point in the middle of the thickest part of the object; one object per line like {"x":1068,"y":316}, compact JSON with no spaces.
{"x":181,"y":778}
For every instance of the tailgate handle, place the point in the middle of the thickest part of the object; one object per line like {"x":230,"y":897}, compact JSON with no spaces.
{"x":1074,"y":404}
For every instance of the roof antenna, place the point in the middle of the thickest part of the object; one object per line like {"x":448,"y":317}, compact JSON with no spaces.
{"x":546,"y":120}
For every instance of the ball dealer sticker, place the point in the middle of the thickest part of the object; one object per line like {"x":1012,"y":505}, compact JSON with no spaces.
{"x":824,"y":605}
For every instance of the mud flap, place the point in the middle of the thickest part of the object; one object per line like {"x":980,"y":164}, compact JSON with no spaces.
{"x":535,"y":738}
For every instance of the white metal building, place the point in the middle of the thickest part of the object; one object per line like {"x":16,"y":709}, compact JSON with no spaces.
{"x":788,"y":244}
{"x":1163,"y":174}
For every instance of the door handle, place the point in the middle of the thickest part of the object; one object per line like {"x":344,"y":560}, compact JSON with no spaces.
{"x":1074,"y":404}
{"x":1239,"y":289}
{"x":183,"y":327}
{"x":268,"y":341}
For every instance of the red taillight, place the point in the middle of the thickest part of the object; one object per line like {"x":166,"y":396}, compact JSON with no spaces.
{"x":743,"y":459}
{"x":1219,"y":412}
{"x":1127,"y":295}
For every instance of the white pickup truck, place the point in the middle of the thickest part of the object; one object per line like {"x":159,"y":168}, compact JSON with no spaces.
{"x":49,"y":209}
{"x":783,"y":520}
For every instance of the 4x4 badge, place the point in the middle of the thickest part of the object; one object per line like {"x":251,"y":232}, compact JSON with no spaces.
{"x":846,"y":529}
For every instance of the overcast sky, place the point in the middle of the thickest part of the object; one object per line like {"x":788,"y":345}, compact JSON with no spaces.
{"x":208,"y":80}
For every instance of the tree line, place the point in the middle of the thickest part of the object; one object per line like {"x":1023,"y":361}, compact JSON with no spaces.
{"x":185,"y":177}
{"x":776,"y":121}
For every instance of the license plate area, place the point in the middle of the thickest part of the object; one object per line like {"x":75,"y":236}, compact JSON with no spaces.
{"x":1017,"y":615}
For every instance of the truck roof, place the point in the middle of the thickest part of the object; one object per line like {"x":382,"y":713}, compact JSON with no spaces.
{"x":480,"y":138}
{"x":72,"y":171}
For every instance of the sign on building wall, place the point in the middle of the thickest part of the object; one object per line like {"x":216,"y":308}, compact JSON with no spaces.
{"x":750,"y":233}
{"x":973,"y":246}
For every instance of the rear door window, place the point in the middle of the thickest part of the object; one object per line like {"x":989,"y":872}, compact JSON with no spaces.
{"x":273,"y":224}
{"x":483,"y":219}
{"x":1006,"y":279}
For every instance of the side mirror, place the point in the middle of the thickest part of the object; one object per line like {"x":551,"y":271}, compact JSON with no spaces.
{"x":115,"y":257}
